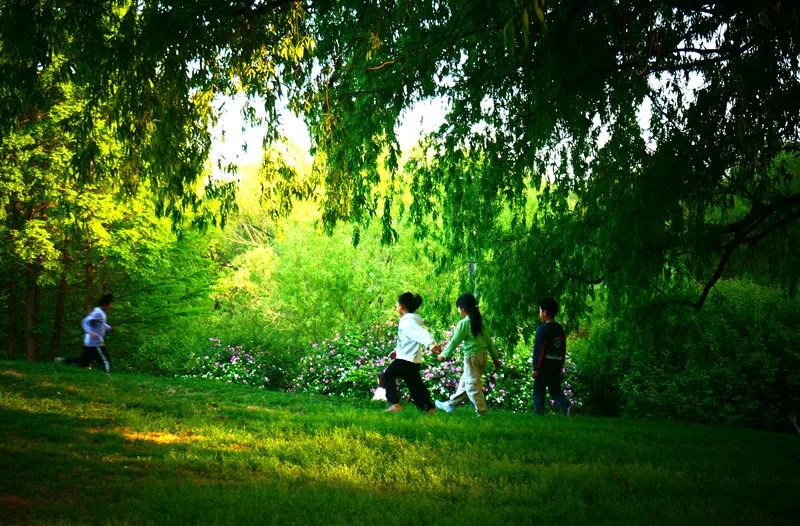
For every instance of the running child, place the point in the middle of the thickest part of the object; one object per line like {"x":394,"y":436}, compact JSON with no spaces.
{"x":412,"y":339}
{"x":94,"y":325}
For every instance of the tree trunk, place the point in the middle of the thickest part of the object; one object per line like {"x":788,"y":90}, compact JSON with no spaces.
{"x":90,"y":268}
{"x":13,"y":218}
{"x":58,"y":322}
{"x":13,"y":312}
{"x":90,"y":273}
{"x":31,"y":310}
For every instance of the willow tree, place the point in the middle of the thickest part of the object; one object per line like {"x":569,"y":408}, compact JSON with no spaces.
{"x":544,"y":171}
{"x":644,"y":145}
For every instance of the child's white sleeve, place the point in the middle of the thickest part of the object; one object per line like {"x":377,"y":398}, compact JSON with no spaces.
{"x":93,"y":320}
{"x":417,"y":333}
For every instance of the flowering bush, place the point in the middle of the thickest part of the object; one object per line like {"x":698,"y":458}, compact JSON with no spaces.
{"x":237,"y":364}
{"x":348,"y":365}
{"x":513,"y":386}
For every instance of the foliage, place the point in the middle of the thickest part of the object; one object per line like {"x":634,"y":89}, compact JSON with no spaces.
{"x":602,"y":366}
{"x":154,"y":68}
{"x":627,"y":158}
{"x":190,"y":451}
{"x":162,"y":285}
{"x":237,"y":364}
{"x":74,"y":228}
{"x":346,"y":365}
{"x":304,"y":286}
{"x":736,"y":361}
{"x":169,"y":351}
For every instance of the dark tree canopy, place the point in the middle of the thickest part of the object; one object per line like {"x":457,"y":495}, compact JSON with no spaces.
{"x":543,"y":170}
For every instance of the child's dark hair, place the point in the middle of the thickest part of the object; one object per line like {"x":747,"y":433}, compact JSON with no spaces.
{"x":470,"y":304}
{"x":550,"y":305}
{"x":410,"y":301}
{"x":105,"y":299}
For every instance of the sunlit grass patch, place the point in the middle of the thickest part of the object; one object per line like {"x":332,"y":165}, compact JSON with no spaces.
{"x":157,"y":437}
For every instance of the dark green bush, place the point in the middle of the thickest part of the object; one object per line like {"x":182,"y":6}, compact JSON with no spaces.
{"x":168,"y":352}
{"x":737,"y":360}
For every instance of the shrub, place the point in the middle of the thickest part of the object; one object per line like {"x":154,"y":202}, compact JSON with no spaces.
{"x":346,"y":365}
{"x":240,"y":364}
{"x":735,"y":361}
{"x":600,"y":370}
{"x":305,"y":286}
{"x":170,"y":352}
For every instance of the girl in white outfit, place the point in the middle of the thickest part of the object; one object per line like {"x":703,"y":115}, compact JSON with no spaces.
{"x":412,"y":339}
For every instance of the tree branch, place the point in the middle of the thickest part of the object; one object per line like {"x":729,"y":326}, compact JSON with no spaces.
{"x":744,"y":234}
{"x":690,"y":65}
{"x":761,"y":212}
{"x":723,"y":262}
{"x":385,"y":64}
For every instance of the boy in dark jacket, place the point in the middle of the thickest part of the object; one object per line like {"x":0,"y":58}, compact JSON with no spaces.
{"x":549,"y":354}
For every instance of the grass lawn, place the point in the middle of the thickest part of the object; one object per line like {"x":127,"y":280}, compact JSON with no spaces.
{"x":81,"y":447}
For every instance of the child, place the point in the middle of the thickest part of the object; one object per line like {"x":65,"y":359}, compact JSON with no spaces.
{"x":94,"y":327}
{"x":412,"y":338}
{"x":549,"y":354}
{"x":472,"y":332}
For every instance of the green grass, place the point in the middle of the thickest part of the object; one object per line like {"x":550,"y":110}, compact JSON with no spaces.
{"x":81,"y":447}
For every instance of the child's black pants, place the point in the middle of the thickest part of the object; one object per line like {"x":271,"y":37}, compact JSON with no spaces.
{"x":93,"y":354}
{"x":409,"y":372}
{"x":549,"y":378}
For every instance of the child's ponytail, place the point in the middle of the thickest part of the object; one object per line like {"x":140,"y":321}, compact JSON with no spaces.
{"x":470,"y":304}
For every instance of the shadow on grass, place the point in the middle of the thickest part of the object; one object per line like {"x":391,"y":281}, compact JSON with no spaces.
{"x":76,"y":469}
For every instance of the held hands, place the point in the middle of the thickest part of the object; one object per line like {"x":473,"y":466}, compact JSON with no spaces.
{"x":437,"y":350}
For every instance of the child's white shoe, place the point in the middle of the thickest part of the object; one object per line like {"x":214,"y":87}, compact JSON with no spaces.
{"x":380,"y":394}
{"x":444,"y":406}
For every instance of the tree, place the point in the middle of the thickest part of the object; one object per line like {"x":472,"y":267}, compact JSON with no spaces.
{"x":546,"y":146}
{"x":106,"y":104}
{"x":77,"y":233}
{"x":157,"y":67}
{"x":547,"y":120}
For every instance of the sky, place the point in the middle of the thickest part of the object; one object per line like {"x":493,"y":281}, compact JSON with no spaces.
{"x":422,"y":118}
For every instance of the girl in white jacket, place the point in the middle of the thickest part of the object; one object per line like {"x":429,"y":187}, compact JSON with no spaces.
{"x":412,"y":339}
